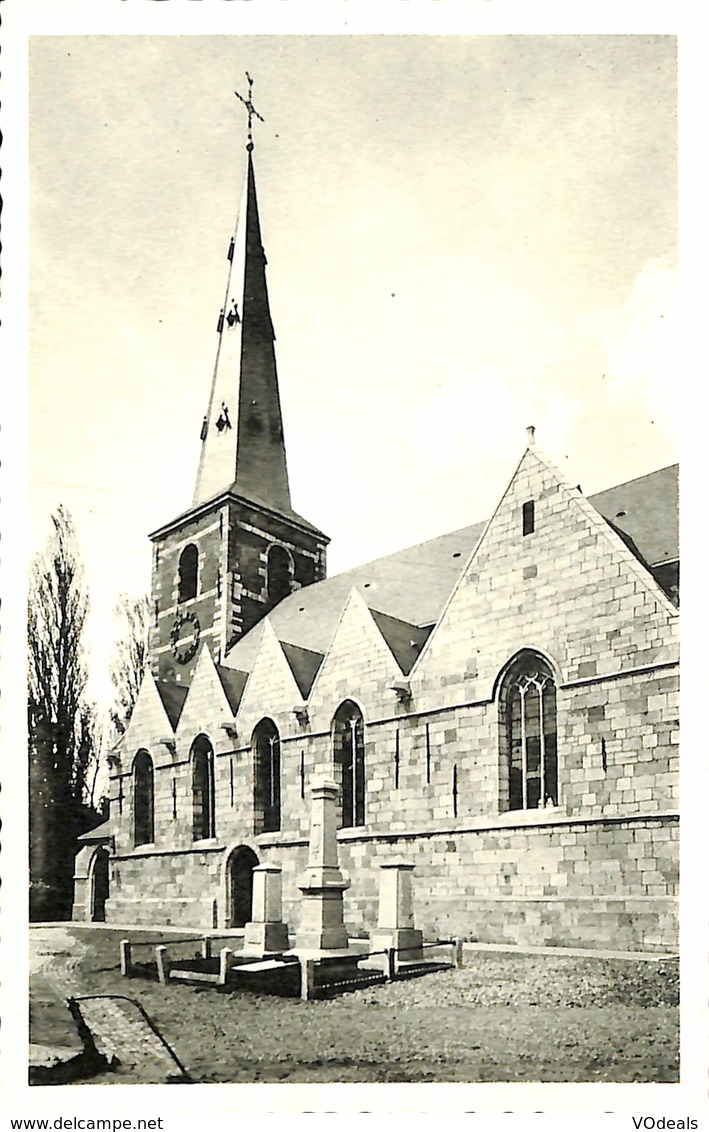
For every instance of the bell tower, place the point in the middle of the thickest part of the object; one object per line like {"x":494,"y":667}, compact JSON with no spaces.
{"x":220,"y":566}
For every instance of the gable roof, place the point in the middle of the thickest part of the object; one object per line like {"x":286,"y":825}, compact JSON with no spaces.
{"x":412,"y":586}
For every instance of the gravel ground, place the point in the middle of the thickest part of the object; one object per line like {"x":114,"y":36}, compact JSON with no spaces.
{"x":501,"y":1018}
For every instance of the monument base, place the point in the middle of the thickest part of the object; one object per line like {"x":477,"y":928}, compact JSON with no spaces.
{"x":260,"y":939}
{"x":407,"y":942}
{"x":321,"y":925}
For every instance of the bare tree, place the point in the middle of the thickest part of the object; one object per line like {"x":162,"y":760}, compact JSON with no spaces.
{"x":130,"y":656}
{"x":61,"y":731}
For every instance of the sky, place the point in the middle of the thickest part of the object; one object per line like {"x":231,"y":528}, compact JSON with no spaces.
{"x":465,"y":235}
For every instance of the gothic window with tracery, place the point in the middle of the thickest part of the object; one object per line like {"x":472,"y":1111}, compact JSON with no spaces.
{"x":266,"y":746}
{"x":202,"y":758}
{"x":528,"y":764}
{"x":349,"y":762}
{"x":143,"y":800}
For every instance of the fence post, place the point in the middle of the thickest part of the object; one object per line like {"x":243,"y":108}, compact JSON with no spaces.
{"x":161,"y":959}
{"x":206,"y":948}
{"x":307,"y":979}
{"x":391,"y":962}
{"x":125,"y":957}
{"x":457,"y":952}
{"x":223,"y":965}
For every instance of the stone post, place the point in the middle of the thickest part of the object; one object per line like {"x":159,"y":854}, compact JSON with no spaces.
{"x":322,"y":884}
{"x":395,"y":926}
{"x":224,"y":957}
{"x":125,"y":957}
{"x":162,"y":963}
{"x":457,"y":952}
{"x":307,"y":979}
{"x":266,"y":931}
{"x":206,"y":948}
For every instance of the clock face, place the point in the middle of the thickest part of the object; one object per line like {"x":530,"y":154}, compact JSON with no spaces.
{"x":184,"y":637}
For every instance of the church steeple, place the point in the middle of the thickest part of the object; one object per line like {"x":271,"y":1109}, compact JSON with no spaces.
{"x":239,"y":549}
{"x":242,"y":432}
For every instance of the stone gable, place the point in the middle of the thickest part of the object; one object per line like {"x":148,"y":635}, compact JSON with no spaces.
{"x":571,"y":589}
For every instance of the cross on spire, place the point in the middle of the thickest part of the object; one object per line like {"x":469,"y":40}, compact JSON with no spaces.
{"x":250,"y":109}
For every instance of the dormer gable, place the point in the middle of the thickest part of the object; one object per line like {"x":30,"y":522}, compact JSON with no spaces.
{"x":271,"y":689}
{"x":207,"y":709}
{"x":358,"y":661}
{"x":149,"y":723}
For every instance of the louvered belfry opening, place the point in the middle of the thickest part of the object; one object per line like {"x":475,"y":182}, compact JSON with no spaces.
{"x":187,"y":573}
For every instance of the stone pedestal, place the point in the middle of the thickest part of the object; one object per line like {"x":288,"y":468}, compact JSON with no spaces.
{"x":322,"y":884}
{"x":395,"y":923}
{"x":266,"y":932}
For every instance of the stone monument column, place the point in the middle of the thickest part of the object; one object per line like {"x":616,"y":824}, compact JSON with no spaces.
{"x":322,"y":884}
{"x":266,"y":931}
{"x":395,"y":925}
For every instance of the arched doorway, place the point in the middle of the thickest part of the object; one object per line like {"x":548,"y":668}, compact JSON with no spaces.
{"x":240,"y":885}
{"x":99,"y":886}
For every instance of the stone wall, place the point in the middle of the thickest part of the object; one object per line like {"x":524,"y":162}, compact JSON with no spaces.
{"x":553,"y":881}
{"x":172,"y":888}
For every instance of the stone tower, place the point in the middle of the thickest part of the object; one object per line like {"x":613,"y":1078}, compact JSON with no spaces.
{"x":220,"y":566}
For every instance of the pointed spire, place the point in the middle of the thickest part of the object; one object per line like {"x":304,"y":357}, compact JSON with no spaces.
{"x":242,"y":435}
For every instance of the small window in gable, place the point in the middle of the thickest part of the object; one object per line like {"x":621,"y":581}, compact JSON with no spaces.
{"x":187,"y":573}
{"x":528,"y":517}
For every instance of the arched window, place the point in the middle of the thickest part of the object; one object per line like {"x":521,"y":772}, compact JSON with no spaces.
{"x":187,"y":573}
{"x":143,"y":800}
{"x":202,"y":756}
{"x":348,"y":758}
{"x":279,"y":574}
{"x":528,"y":750}
{"x":266,"y":745}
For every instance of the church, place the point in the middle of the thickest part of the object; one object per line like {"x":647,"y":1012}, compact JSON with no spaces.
{"x":497,"y":706}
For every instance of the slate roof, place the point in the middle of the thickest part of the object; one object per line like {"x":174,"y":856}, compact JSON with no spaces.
{"x":233,"y":681}
{"x":646,"y":509}
{"x":404,"y":640}
{"x":237,"y":493}
{"x":99,"y":833}
{"x":411,"y":586}
{"x":173,"y":697}
{"x":304,"y":665}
